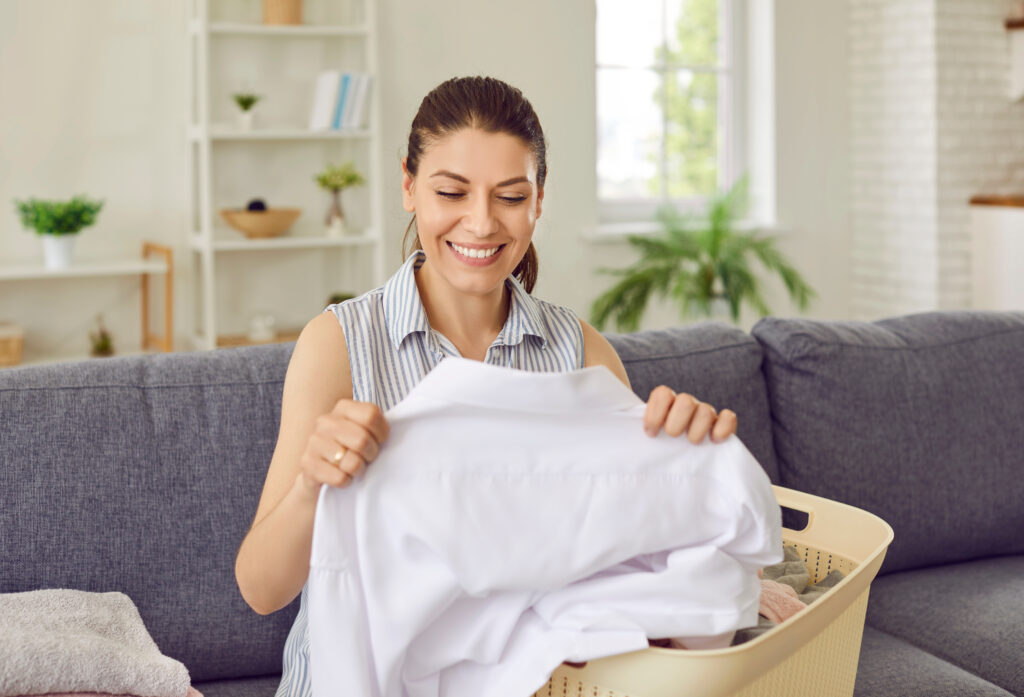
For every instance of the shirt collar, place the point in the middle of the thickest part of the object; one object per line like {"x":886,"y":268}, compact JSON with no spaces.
{"x":465,"y":381}
{"x":403,"y":309}
{"x":404,"y":313}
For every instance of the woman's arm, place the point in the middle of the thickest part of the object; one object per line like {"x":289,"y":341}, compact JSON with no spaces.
{"x":318,"y":419}
{"x":678,"y":413}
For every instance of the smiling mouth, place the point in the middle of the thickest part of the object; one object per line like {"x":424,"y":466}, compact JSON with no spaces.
{"x":474,"y":253}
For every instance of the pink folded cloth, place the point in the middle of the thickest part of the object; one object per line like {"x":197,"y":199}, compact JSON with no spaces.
{"x":192,"y":692}
{"x":779,"y":602}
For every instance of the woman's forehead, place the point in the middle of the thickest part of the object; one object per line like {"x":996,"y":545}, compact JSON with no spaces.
{"x":472,"y":154}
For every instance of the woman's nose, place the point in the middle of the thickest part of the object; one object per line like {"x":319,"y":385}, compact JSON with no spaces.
{"x":479,"y":218}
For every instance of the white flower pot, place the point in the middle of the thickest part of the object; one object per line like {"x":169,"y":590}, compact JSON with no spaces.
{"x":337,"y":228}
{"x":245,"y":120}
{"x":58,"y":250}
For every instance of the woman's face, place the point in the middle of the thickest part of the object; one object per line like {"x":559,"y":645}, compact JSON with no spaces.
{"x":476,"y":203}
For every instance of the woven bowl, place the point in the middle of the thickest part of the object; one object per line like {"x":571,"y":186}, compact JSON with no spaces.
{"x":269,"y":223}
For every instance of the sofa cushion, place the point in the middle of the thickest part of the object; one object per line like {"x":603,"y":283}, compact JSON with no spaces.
{"x":248,"y":687}
{"x":970,"y":614}
{"x":141,"y":475}
{"x":890,"y":667}
{"x":915,"y":419}
{"x":716,"y":363}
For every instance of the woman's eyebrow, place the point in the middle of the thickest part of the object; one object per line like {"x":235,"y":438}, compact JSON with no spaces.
{"x":459,"y":177}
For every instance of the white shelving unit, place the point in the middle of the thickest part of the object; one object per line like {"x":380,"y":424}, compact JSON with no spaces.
{"x":233,"y":277}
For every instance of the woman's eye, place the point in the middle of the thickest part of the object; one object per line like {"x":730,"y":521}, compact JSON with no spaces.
{"x":512,"y":199}
{"x":449,"y":194}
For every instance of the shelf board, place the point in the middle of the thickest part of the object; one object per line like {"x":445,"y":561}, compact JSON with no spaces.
{"x":226,"y":133}
{"x":127,"y":267}
{"x":234,"y":340}
{"x":242,"y":244}
{"x":305,"y":30}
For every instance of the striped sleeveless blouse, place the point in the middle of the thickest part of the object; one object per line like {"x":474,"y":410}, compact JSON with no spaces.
{"x":391,"y":347}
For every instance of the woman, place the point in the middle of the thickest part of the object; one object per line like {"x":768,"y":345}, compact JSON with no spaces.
{"x":474,"y":180}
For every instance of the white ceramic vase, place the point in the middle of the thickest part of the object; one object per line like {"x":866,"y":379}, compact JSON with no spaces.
{"x":245,"y":120}
{"x":58,"y":250}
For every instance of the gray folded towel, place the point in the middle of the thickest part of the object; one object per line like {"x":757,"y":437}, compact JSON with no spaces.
{"x":73,"y":641}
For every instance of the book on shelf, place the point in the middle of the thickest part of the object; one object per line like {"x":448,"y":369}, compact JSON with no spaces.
{"x":340,"y":100}
{"x":325,"y":96}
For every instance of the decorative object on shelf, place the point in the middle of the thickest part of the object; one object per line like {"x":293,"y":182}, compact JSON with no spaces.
{"x":257,"y":220}
{"x":58,"y":222}
{"x":262,"y":328}
{"x":704,"y":264}
{"x":246,"y":102}
{"x":282,"y":11}
{"x":12,"y":338}
{"x":101,"y":341}
{"x":337,"y":178}
{"x":335,"y":298}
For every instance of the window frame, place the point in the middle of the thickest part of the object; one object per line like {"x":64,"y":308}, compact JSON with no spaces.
{"x":732,"y":114}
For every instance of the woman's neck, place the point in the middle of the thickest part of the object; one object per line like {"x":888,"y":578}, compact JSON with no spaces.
{"x":471,"y":322}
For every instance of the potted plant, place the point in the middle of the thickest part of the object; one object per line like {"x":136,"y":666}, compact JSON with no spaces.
{"x":245,"y":102}
{"x":102,"y":342}
{"x":337,"y":178}
{"x":58,"y":224}
{"x":702,"y":264}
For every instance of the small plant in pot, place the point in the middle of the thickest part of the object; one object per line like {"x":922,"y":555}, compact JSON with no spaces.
{"x":101,"y":341}
{"x":337,"y":178}
{"x":58,"y":224}
{"x":245,"y":102}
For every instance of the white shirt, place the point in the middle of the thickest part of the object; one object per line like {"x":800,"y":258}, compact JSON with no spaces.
{"x":514,"y":520}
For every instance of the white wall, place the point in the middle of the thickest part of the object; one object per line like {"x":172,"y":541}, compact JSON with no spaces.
{"x":92,"y":100}
{"x":931,"y":126}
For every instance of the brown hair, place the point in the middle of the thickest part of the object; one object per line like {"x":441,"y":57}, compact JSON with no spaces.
{"x":489,"y":105}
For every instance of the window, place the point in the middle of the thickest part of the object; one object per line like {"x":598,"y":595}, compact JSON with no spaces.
{"x":670,"y":123}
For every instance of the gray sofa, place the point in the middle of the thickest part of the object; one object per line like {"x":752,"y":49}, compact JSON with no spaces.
{"x":141,"y":474}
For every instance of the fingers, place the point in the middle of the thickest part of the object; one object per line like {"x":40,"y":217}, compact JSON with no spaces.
{"x":701,"y":423}
{"x":658,"y":405}
{"x":343,"y":442}
{"x":681,"y":415}
{"x":725,"y":426}
{"x":684,"y":413}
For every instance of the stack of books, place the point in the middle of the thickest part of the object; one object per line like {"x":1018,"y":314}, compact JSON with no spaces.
{"x":340,"y":101}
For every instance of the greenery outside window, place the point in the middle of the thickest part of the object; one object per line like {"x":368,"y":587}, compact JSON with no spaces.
{"x":670,"y":104}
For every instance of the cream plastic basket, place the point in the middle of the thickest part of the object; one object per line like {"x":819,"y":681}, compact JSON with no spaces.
{"x":813,"y":654}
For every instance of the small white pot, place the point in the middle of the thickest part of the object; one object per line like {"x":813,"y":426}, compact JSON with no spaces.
{"x":58,"y":250}
{"x":337,"y":228}
{"x":245,"y":120}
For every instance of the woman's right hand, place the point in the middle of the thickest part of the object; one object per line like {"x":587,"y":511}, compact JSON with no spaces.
{"x":344,"y":441}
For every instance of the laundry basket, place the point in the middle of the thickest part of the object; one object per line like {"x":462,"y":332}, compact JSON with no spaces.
{"x":812,"y":654}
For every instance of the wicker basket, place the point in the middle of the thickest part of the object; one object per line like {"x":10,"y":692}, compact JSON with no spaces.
{"x":813,"y":654}
{"x":12,"y":337}
{"x":282,"y":11}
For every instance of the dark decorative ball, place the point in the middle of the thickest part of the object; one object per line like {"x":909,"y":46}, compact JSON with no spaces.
{"x":256,"y":204}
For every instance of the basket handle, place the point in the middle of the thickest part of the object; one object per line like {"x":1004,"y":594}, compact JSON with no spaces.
{"x":795,"y":500}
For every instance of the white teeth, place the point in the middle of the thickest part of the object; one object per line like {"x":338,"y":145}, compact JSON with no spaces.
{"x":475,"y":253}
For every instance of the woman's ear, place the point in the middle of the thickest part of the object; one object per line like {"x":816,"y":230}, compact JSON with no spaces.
{"x":407,"y":185}
{"x":540,"y":201}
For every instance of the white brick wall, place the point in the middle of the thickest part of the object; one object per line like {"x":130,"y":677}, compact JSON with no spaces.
{"x":930,"y":126}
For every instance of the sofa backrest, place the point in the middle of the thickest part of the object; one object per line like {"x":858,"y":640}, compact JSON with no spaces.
{"x":141,"y":475}
{"x":717,"y":363}
{"x":916,"y":419}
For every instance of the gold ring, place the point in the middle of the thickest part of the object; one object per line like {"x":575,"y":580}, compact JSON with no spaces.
{"x":337,"y":457}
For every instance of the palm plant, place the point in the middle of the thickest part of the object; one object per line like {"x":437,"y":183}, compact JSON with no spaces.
{"x":699,"y":263}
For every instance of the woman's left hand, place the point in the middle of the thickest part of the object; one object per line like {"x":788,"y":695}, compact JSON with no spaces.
{"x":684,"y":413}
